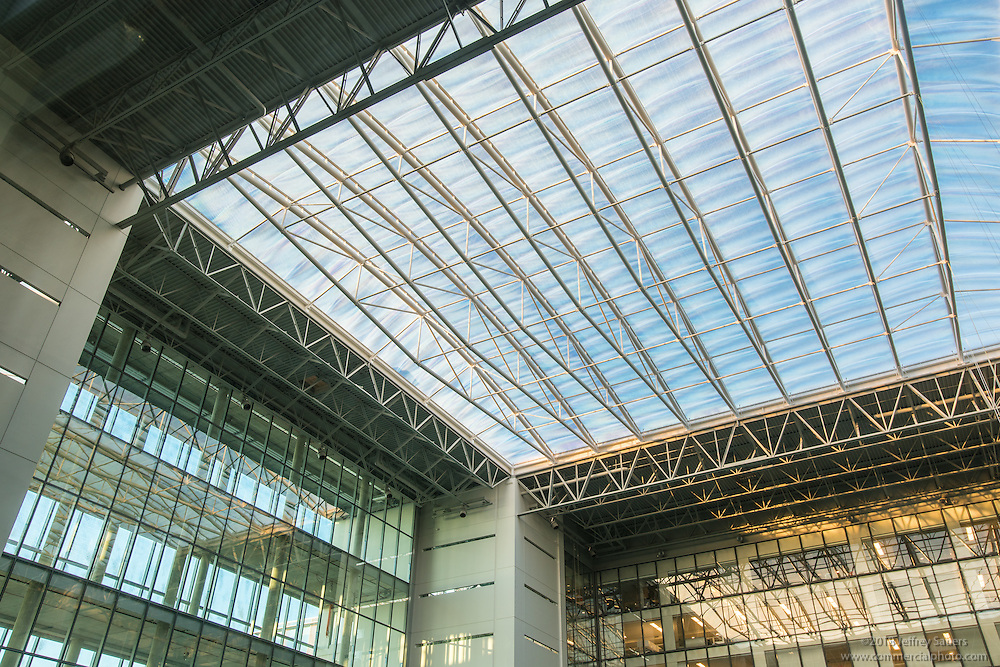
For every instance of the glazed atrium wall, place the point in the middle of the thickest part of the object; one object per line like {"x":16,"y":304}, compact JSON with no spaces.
{"x":917,"y":588}
{"x":172,"y":521}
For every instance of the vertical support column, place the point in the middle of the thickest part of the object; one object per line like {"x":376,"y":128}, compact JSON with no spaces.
{"x":198,"y":590}
{"x":161,"y":639}
{"x":21,"y":631}
{"x":219,"y":412}
{"x":100,"y":566}
{"x":528,"y":628}
{"x":121,"y":353}
{"x":72,"y":652}
{"x":352,"y":581}
{"x":57,"y":234}
{"x":488,"y":587}
{"x":279,"y":569}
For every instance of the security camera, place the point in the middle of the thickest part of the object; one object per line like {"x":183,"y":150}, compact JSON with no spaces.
{"x":66,"y":157}
{"x":146,"y":347}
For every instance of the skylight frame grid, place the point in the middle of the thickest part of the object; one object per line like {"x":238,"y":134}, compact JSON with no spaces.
{"x":618,"y":277}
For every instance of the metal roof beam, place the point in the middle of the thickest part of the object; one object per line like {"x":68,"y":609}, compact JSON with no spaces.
{"x":618,"y":82}
{"x":894,"y":10}
{"x":838,"y":168}
{"x":235,"y":281}
{"x":757,"y":182}
{"x":432,"y":88}
{"x":942,"y":403}
{"x":618,"y":411}
{"x":440,"y":324}
{"x":341,"y":109}
{"x":376,"y":206}
{"x":513,"y":70}
{"x":351,"y":368}
{"x":704,"y":360}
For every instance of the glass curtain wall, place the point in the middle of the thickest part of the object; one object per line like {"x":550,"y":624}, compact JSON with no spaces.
{"x":914,"y":590}
{"x":173,"y":522}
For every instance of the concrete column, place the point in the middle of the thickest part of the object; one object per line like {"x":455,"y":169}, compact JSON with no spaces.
{"x":41,"y":337}
{"x":326,"y":644}
{"x":120,"y":355}
{"x":72,"y":653}
{"x":161,"y":639}
{"x":272,"y":604}
{"x":279,"y":569}
{"x":35,"y":590}
{"x":198,"y":589}
{"x":53,"y":540}
{"x":100,"y":566}
{"x":352,"y":575}
{"x":21,"y":632}
{"x":219,"y":412}
{"x":300,"y":445}
{"x":483,"y":585}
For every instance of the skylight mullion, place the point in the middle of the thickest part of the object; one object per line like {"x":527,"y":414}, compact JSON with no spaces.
{"x":756,"y":181}
{"x":941,"y":251}
{"x":513,"y":70}
{"x":465,"y":347}
{"x":511,"y":176}
{"x":455,"y":204}
{"x":385,"y":136}
{"x":603,"y":51}
{"x":442,"y":327}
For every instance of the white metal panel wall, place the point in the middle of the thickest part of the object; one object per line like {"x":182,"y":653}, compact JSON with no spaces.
{"x":486,"y":587}
{"x":41,"y":341}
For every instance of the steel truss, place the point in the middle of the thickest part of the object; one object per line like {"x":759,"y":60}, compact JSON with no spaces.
{"x":909,"y":432}
{"x":179,"y":280}
{"x":293,"y":122}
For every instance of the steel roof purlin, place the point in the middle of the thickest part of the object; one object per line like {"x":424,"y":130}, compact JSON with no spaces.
{"x":635,"y":220}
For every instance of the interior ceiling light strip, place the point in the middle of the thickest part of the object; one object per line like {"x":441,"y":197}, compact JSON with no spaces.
{"x":12,"y":375}
{"x":27,"y":193}
{"x":454,"y":640}
{"x":456,"y":590}
{"x":28,"y":286}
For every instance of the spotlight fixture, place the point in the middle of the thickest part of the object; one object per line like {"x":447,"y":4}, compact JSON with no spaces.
{"x":554,"y":522}
{"x":246,"y":403}
{"x":464,"y":511}
{"x":66,"y":157}
{"x":322,"y":453}
{"x":146,"y":347}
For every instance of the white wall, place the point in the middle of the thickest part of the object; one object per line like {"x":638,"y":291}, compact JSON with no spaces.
{"x":497,"y":623}
{"x":39,"y":340}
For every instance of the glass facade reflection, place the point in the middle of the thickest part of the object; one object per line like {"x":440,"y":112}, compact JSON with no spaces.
{"x":912,"y":590}
{"x":171,"y":521}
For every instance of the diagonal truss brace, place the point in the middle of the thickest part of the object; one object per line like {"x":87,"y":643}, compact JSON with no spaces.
{"x":360,"y":97}
{"x":880,"y":419}
{"x":385,"y":402}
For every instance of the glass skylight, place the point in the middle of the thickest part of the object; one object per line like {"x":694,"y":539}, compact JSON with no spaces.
{"x":639,"y":216}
